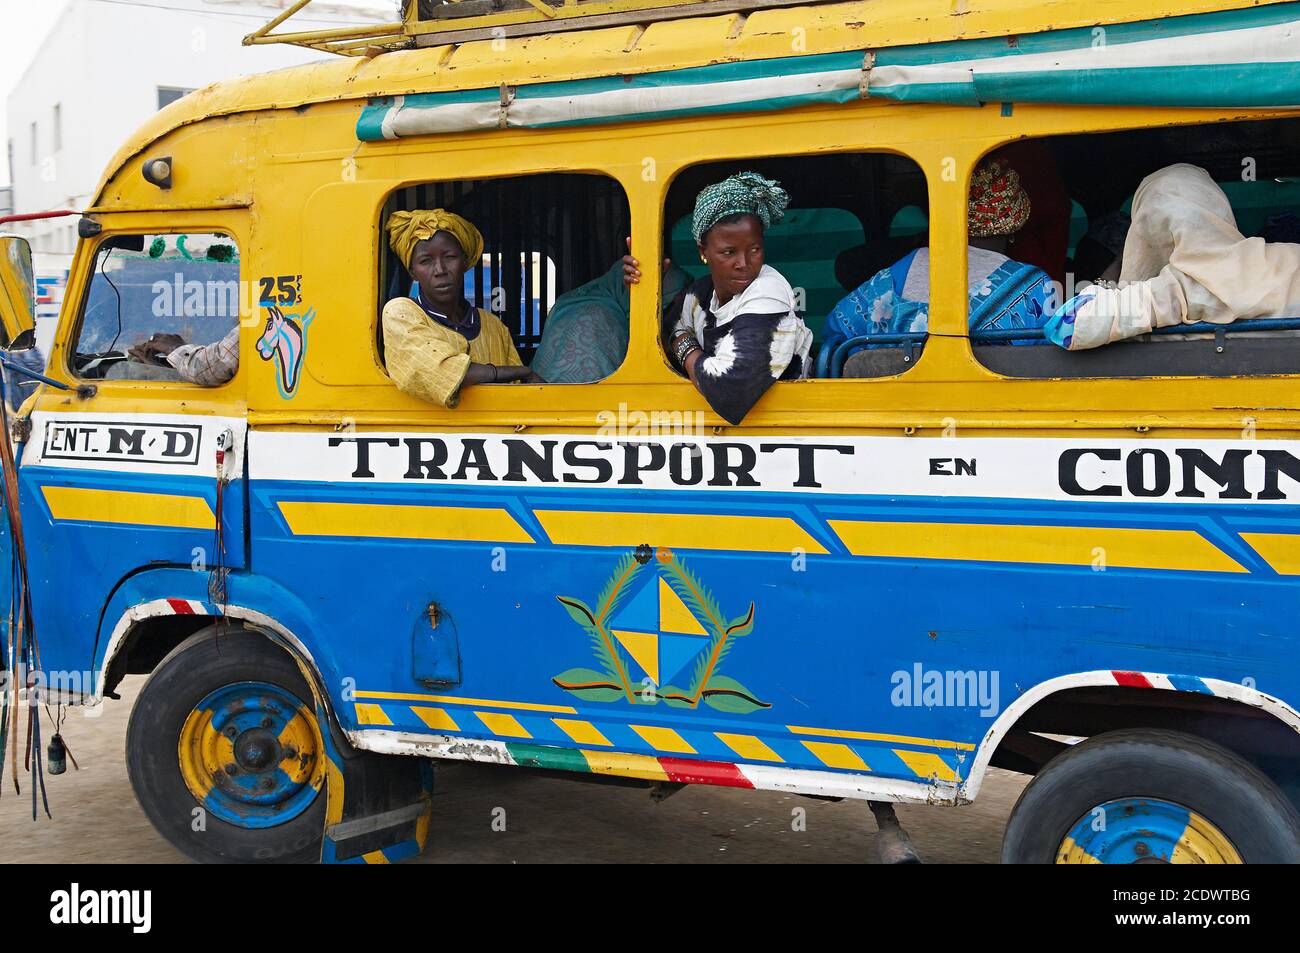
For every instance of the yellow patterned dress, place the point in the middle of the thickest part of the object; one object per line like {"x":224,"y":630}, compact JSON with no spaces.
{"x":428,"y":360}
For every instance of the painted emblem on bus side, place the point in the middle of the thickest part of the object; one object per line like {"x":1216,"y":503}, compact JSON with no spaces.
{"x":284,"y":342}
{"x":655,"y":612}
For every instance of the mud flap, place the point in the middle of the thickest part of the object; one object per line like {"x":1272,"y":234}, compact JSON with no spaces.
{"x":377,"y":807}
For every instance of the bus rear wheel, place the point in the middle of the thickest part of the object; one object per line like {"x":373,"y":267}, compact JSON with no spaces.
{"x":225,"y":754}
{"x":1151,"y":796}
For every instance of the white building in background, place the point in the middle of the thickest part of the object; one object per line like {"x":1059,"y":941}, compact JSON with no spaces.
{"x":104,"y":68}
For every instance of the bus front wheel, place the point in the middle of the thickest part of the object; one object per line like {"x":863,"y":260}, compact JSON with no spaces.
{"x":1151,"y":796}
{"x":225,"y":754}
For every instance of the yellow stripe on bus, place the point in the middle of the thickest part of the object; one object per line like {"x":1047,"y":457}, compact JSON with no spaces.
{"x":475,"y":702}
{"x":663,"y":739}
{"x":394,"y":521}
{"x":499,"y":723}
{"x":748,"y":747}
{"x":625,"y":765}
{"x":835,"y":755}
{"x":874,"y":736}
{"x":368,"y":714}
{"x":583,"y":732}
{"x":1280,"y":550}
{"x":926,"y":764}
{"x":126,"y":506}
{"x":755,"y":534}
{"x":435,"y":718}
{"x":1101,"y":546}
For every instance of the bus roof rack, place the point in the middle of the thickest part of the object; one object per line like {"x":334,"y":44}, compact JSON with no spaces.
{"x":434,"y":22}
{"x":367,"y":39}
{"x":438,"y":22}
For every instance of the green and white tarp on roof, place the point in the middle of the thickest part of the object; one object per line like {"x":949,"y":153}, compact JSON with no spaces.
{"x":1247,"y":58}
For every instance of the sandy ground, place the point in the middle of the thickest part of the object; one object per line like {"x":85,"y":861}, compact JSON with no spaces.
{"x":546,"y":818}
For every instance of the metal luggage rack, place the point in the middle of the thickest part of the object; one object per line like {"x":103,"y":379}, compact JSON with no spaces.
{"x":440,"y":22}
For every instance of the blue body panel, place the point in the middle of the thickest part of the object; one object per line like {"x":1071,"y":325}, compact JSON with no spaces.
{"x":827,"y":640}
{"x":76,"y":566}
{"x":832,"y":633}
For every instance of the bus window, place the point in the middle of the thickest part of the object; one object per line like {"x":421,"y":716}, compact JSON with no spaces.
{"x":550,"y":269}
{"x":161,"y":307}
{"x":1187,"y":262}
{"x":851,"y":220}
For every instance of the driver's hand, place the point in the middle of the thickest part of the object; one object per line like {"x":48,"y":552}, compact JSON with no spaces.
{"x":164,"y":344}
{"x":156,"y":349}
{"x":140,"y":353}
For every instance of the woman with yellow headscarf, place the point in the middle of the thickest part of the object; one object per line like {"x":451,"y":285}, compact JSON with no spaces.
{"x":436,"y":342}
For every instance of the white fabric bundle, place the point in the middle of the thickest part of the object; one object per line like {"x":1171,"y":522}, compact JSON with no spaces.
{"x":1184,"y":262}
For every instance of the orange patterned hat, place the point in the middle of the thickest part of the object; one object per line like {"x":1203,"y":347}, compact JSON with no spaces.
{"x":998,"y":205}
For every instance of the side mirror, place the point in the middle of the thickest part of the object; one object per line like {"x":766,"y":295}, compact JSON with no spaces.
{"x":17,"y":289}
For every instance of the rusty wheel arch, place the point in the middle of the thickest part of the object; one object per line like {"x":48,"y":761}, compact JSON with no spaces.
{"x":1085,"y":711}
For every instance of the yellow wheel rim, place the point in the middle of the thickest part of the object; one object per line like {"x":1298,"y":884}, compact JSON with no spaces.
{"x":1143,"y":831}
{"x":251,"y":753}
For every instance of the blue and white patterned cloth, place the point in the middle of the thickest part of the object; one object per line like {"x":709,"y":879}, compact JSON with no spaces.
{"x":1060,"y":326}
{"x":1004,"y":295}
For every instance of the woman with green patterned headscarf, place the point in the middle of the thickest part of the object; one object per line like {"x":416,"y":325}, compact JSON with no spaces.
{"x":737,"y":328}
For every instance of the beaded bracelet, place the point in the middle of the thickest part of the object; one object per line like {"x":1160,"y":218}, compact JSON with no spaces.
{"x":683,"y":349}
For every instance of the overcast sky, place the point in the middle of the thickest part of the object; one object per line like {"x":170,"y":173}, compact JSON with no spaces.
{"x":24,"y":25}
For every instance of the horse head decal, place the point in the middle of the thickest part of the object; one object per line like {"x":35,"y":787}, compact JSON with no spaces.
{"x":284,"y":341}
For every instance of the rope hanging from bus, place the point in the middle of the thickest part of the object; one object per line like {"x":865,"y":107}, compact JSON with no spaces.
{"x":22,"y":657}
